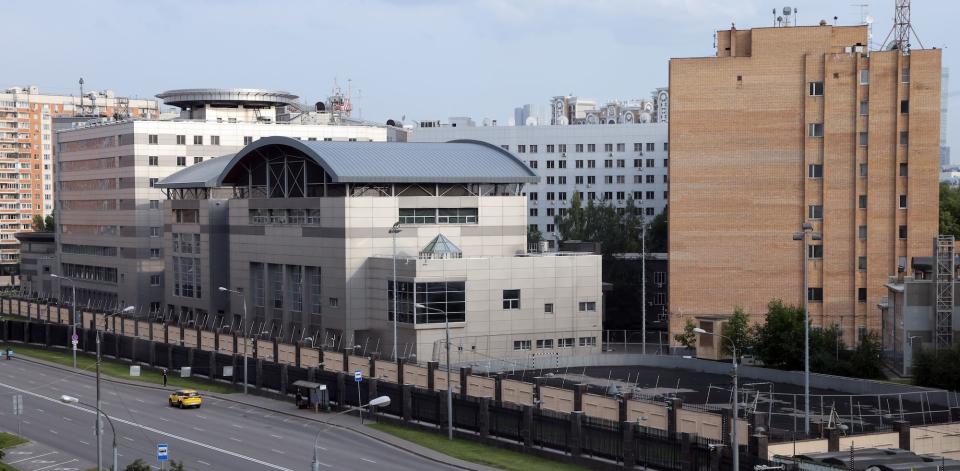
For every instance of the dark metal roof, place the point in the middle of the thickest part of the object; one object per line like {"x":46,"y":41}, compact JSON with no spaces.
{"x":461,"y":161}
{"x":195,"y":97}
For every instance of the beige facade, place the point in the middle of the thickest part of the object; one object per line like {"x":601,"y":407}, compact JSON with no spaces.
{"x":795,"y":125}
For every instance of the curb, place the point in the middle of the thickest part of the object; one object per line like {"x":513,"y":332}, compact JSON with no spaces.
{"x":226,"y":399}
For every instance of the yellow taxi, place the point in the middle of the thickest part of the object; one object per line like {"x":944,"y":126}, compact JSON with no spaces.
{"x":184,"y":398}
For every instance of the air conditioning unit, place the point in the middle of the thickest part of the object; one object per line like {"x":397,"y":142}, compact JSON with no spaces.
{"x":611,"y":154}
{"x":563,"y":154}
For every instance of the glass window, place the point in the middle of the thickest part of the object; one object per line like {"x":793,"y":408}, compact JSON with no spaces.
{"x":511,"y":299}
{"x":275,"y":276}
{"x":815,"y":294}
{"x":521,"y":344}
{"x":548,"y":308}
{"x":545,"y":343}
{"x":565,"y":342}
{"x":295,"y":288}
{"x":588,"y":306}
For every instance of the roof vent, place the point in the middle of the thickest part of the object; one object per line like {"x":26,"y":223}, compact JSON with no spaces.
{"x":440,"y":248}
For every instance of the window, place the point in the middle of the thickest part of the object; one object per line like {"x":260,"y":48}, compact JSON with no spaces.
{"x":815,"y":130}
{"x":154,"y":253}
{"x":578,"y":164}
{"x":862,"y":139}
{"x":550,"y":196}
{"x":522,"y":149}
{"x":591,"y":147}
{"x":608,"y":179}
{"x":815,"y":88}
{"x":621,"y":163}
{"x":154,"y":204}
{"x":862,"y":232}
{"x":588,"y":306}
{"x":591,"y":179}
{"x":666,"y":163}
{"x":862,"y":263}
{"x":562,"y":195}
{"x":666,"y":146}
{"x":333,"y":302}
{"x":153,"y":182}
{"x":548,"y":308}
{"x":511,"y":299}
{"x":565,"y":342}
{"x":578,"y":147}
{"x":903,"y":201}
{"x":608,"y":163}
{"x":864,"y":76}
{"x":862,"y":202}
{"x":904,"y":138}
{"x":814,"y":251}
{"x":181,"y":139}
{"x":152,"y":139}
{"x":521,"y":344}
{"x":591,"y":195}
{"x":651,"y":163}
{"x":903,"y":170}
{"x":533,"y":212}
{"x":607,"y":195}
{"x":815,"y":171}
{"x":154,"y":231}
{"x":621,"y":147}
{"x":864,"y":108}
{"x":621,"y":179}
{"x":247,"y":140}
{"x":651,"y":178}
{"x":154,"y":280}
{"x":550,"y":148}
{"x":902,"y":231}
{"x":533,"y":196}
{"x":863,"y":170}
{"x":562,"y":148}
{"x":588,"y":341}
{"x":533,"y":148}
{"x":815,"y":211}
{"x":904,"y":106}
{"x":550,"y":164}
{"x":215,"y":140}
{"x":153,"y":160}
{"x":862,"y":295}
{"x":621,"y":196}
{"x":651,"y":147}
{"x":181,"y":161}
{"x":197,"y":160}
{"x":562,"y":179}
{"x":591,"y":164}
{"x":637,"y":163}
{"x":562,"y":164}
{"x":439,"y":215}
{"x":545,"y":343}
{"x":197,"y":140}
{"x":814,"y":294}
{"x":650,"y":196}
{"x":905,"y":75}
{"x":551,"y":228}
{"x":502,"y":146}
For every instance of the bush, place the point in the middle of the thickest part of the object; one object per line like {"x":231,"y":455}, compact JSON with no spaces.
{"x":937,"y":368}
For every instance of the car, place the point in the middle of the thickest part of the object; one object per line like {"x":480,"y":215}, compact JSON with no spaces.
{"x":184,"y":398}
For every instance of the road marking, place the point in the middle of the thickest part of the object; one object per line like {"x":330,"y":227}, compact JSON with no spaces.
{"x":276,"y":436}
{"x":85,"y":443}
{"x":153,"y":430}
{"x":127,"y":439}
{"x":54,"y":432}
{"x":68,"y":419}
{"x":236,"y":426}
{"x":140,"y":400}
{"x":201,"y":416}
{"x":40,"y":410}
{"x":203,"y":462}
{"x":58,"y":464}
{"x":368,"y":460}
{"x":33,"y":457}
{"x":324,"y":464}
{"x":236,"y":440}
{"x":199,"y":429}
{"x":276,"y":451}
{"x":165,"y":420}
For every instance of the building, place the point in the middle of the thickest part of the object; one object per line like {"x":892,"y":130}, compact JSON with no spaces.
{"x":623,"y":300}
{"x":37,"y":258}
{"x":610,"y":153}
{"x":109,"y":215}
{"x":27,"y":152}
{"x":313,"y":258}
{"x":788,"y":126}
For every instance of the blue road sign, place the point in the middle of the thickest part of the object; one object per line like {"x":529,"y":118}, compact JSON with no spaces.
{"x":358,"y":376}
{"x":162,"y":452}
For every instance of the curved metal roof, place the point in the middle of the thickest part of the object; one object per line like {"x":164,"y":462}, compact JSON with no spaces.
{"x":192,"y":97}
{"x":461,"y":161}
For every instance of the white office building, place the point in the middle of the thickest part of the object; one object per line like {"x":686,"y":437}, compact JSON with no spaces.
{"x":607,"y":153}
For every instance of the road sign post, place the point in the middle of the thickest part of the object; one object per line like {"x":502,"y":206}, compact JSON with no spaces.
{"x":163,"y":455}
{"x":18,"y":410}
{"x":358,"y":377}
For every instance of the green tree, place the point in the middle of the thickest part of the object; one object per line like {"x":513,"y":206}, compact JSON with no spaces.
{"x":737,"y":329}
{"x":38,"y":224}
{"x":950,"y":210}
{"x":176,"y":466}
{"x":687,"y":337}
{"x":937,"y":368}
{"x":657,"y":232}
{"x":616,"y":229}
{"x":49,"y":223}
{"x":534,"y":236}
{"x":779,"y":341}
{"x":866,"y":360}
{"x":137,"y":465}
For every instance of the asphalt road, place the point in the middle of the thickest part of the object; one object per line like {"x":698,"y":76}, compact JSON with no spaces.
{"x":221,"y":435}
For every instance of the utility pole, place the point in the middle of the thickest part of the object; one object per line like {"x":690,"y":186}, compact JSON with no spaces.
{"x":99,"y":439}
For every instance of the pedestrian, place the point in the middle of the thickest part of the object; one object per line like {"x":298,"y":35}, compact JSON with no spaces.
{"x":164,"y":373}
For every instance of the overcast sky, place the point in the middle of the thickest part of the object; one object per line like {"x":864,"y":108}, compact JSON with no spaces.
{"x":425,"y":59}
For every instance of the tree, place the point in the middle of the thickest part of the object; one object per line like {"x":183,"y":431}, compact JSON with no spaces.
{"x":737,"y":329}
{"x":38,"y":224}
{"x":616,"y":229}
{"x":657,"y":232}
{"x":49,"y":223}
{"x":937,"y":368}
{"x":137,"y":465}
{"x":176,"y":466}
{"x":779,"y":341}
{"x":534,"y":236}
{"x":950,"y":210}
{"x":687,"y":337}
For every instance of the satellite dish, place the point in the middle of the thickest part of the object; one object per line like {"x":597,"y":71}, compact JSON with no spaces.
{"x":868,"y":20}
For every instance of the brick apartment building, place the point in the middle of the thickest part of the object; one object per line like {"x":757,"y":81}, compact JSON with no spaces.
{"x":795,"y":125}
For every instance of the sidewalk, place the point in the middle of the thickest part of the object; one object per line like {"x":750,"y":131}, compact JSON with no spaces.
{"x":341,"y":421}
{"x":32,"y":456}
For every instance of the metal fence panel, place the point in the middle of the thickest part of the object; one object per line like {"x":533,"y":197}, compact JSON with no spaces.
{"x":551,"y":429}
{"x":601,"y":438}
{"x":505,"y":421}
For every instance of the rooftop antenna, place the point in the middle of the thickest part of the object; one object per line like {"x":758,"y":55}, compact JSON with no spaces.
{"x":902,"y":28}
{"x":81,"y":99}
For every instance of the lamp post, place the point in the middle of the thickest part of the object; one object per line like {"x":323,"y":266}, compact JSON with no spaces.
{"x":73,"y":315}
{"x":98,"y":425}
{"x":72,"y":400}
{"x":394,"y":231}
{"x":734,"y":440}
{"x":446,"y":320}
{"x":376,"y":402}
{"x":807,"y":229}
{"x":245,"y":335}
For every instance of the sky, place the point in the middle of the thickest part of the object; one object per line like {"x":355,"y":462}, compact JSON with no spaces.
{"x":422,"y":59}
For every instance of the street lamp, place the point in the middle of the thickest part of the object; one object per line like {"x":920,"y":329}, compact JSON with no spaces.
{"x":244,"y":298}
{"x":394,"y":231}
{"x":376,"y":402}
{"x":806,"y":229}
{"x":72,"y":400}
{"x":446,"y":320}
{"x":733,"y":427}
{"x":73,"y":315}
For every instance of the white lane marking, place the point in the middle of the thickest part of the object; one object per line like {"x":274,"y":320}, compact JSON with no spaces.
{"x":54,"y":432}
{"x":85,"y":443}
{"x":140,"y":400}
{"x":68,"y":419}
{"x":203,"y":462}
{"x":276,"y":436}
{"x":276,"y":451}
{"x":153,"y":430}
{"x":236,"y":440}
{"x":199,"y":429}
{"x":57,"y":464}
{"x":322,"y":448}
{"x":236,"y":426}
{"x":40,"y":410}
{"x":201,"y":416}
{"x":165,"y":420}
{"x":368,"y":460}
{"x":126,"y":438}
{"x":32,"y":457}
{"x":26,"y":422}
{"x":324,"y":464}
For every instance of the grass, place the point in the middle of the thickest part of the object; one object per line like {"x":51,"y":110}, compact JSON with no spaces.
{"x":475,"y":452}
{"x":8,"y":440}
{"x":117,"y":369}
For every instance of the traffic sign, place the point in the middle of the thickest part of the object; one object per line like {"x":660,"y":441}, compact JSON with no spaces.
{"x":18,"y":404}
{"x":162,"y":450}
{"x":75,"y":338}
{"x":358,"y":376}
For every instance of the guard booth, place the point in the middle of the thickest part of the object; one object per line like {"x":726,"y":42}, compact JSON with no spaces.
{"x":310,"y":395}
